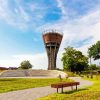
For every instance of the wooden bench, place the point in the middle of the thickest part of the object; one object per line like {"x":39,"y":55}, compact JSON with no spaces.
{"x":65,"y":84}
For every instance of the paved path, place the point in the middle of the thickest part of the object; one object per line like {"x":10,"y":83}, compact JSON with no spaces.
{"x":83,"y":83}
{"x":34,"y":93}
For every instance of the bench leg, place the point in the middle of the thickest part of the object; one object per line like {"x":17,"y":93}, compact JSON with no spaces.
{"x":76,"y":87}
{"x":72,"y":87}
{"x":62,"y":89}
{"x":57,"y":90}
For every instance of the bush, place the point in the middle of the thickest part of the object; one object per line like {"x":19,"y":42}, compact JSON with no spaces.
{"x":25,"y":65}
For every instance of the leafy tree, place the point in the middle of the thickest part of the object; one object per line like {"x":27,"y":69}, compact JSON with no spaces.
{"x":94,"y":51}
{"x":74,"y":60}
{"x":25,"y":65}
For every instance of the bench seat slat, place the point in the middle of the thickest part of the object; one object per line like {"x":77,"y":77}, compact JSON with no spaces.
{"x":65,"y":84}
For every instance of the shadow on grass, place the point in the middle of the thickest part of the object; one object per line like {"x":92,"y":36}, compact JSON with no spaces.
{"x":74,"y":91}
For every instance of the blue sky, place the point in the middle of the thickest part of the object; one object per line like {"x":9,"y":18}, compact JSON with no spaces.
{"x":23,"y":21}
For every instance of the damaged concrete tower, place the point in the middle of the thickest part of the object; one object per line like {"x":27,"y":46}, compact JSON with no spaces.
{"x":52,"y":40}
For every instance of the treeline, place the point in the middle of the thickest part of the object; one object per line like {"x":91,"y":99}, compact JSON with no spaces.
{"x":74,"y":60}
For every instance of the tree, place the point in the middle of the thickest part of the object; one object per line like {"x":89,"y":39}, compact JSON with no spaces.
{"x":25,"y":65}
{"x":94,"y":51}
{"x":74,"y":60}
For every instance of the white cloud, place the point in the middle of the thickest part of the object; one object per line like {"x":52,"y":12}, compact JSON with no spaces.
{"x":61,"y":6}
{"x":39,"y":61}
{"x":17,"y":16}
{"x":20,"y":14}
{"x":9,"y":63}
{"x":3,"y":6}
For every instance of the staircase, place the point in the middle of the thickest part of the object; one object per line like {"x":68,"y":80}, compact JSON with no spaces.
{"x":32,"y":73}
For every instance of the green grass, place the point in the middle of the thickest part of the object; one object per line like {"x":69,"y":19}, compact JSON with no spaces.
{"x":11,"y":84}
{"x":90,"y":93}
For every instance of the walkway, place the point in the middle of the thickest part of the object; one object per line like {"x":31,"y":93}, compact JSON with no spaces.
{"x":34,"y":93}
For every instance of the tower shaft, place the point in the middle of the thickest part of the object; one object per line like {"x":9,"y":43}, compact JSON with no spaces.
{"x":52,"y":50}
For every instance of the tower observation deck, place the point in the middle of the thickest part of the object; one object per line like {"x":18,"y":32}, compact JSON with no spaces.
{"x":52,"y":40}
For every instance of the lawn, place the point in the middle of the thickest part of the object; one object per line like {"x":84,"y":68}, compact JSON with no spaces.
{"x":90,"y":93}
{"x":11,"y":84}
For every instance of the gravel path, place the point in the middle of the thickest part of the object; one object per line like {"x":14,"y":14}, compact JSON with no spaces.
{"x":34,"y":93}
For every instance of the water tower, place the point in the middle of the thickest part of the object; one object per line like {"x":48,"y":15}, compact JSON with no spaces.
{"x":52,"y":40}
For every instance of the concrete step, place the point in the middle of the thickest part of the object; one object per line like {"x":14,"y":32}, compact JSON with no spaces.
{"x":32,"y":73}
